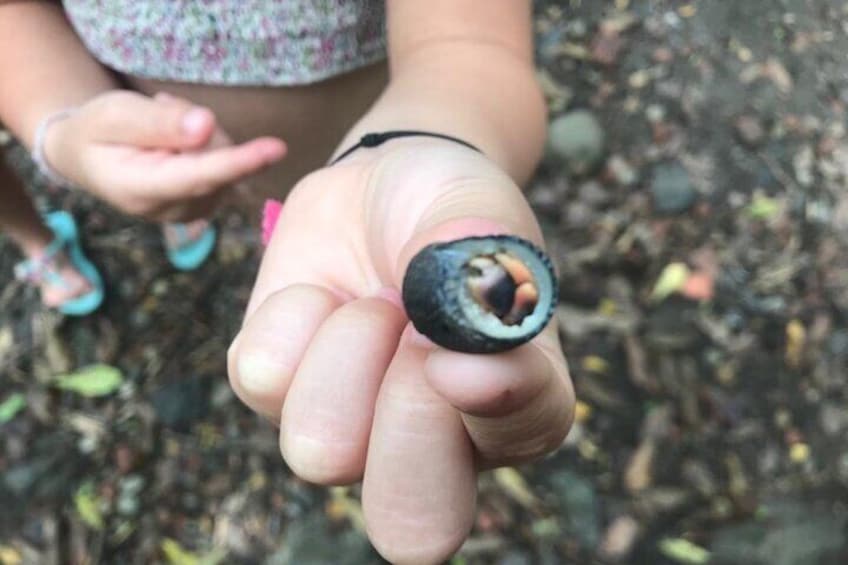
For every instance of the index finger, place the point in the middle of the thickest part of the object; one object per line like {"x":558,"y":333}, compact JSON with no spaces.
{"x":516,"y":405}
{"x":192,"y":175}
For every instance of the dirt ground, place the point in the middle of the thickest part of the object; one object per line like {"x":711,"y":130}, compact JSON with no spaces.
{"x":695,"y":201}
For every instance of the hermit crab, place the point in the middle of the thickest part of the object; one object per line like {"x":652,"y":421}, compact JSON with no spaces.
{"x":480,"y":294}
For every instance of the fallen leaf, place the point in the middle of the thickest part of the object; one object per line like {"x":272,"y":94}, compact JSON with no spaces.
{"x":699,"y":287}
{"x":176,"y":555}
{"x":639,"y":79}
{"x":620,"y":537}
{"x":796,"y":337}
{"x":684,"y":551}
{"x":670,"y":281}
{"x":607,"y":307}
{"x":575,"y":51}
{"x":92,"y":381}
{"x":618,"y":23}
{"x":515,"y":486}
{"x":638,"y":473}
{"x":777,"y":73}
{"x":582,"y":411}
{"x":7,"y":343}
{"x":799,"y":452}
{"x":546,"y":528}
{"x":9,"y":555}
{"x":687,"y":10}
{"x":88,"y":507}
{"x":11,"y":406}
{"x":557,"y":94}
{"x":763,"y":207}
{"x":595,"y":364}
{"x":342,"y":506}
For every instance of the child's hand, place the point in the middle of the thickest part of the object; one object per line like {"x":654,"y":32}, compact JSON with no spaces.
{"x":159,"y":157}
{"x":327,"y":352}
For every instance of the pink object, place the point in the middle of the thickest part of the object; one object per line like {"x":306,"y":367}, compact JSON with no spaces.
{"x":699,"y":286}
{"x":270,"y":215}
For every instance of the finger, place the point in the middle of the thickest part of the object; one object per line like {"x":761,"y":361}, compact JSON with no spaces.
{"x":265,"y":355}
{"x":516,"y":405}
{"x":328,"y":411}
{"x":129,"y":118}
{"x":201,"y":174}
{"x":299,"y":249}
{"x":219,"y":137}
{"x":419,"y":486}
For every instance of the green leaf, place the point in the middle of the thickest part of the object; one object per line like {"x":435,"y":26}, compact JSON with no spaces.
{"x":515,"y":486}
{"x":764,"y":208}
{"x":11,"y":406}
{"x":176,"y":555}
{"x":684,"y":551}
{"x":546,"y":528}
{"x":92,"y":381}
{"x":671,"y":280}
{"x":88,"y":507}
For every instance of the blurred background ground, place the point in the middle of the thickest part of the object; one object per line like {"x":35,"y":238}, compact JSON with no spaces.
{"x":694,"y":199}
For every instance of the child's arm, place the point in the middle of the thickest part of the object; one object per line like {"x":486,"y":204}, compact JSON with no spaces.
{"x":44,"y":67}
{"x":326,"y":349}
{"x":464,"y":68}
{"x":159,"y":157}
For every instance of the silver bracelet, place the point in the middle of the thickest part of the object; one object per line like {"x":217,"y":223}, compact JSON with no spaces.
{"x":38,"y":156}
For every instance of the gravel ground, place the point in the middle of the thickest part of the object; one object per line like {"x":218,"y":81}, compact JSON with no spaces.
{"x":694,"y":198}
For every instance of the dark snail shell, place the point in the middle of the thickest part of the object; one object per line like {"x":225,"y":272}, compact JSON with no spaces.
{"x":480,"y":294}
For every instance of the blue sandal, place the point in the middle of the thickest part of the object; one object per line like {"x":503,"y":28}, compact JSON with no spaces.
{"x":191,"y":254}
{"x":43,"y":269}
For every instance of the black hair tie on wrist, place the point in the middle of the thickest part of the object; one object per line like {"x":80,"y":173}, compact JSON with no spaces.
{"x":375,"y":139}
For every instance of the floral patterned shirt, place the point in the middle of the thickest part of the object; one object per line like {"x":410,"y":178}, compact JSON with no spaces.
{"x":232,"y":42}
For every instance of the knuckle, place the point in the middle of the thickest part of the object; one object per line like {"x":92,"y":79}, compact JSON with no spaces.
{"x":110,"y":113}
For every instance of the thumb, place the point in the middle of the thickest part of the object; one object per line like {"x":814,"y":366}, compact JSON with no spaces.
{"x":443,"y":216}
{"x":129,"y":118}
{"x":481,"y":284}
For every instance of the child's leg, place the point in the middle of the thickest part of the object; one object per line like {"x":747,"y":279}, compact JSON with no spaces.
{"x":18,"y":217}
{"x":20,"y":220}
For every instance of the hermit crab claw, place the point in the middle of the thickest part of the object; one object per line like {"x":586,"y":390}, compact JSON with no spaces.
{"x":480,"y":294}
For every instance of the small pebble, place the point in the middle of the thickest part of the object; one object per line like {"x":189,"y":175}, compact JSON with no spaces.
{"x":622,"y":171}
{"x":750,"y":130}
{"x":672,"y":189}
{"x":593,"y":194}
{"x":655,"y":113}
{"x":577,"y":139}
{"x":127,"y":505}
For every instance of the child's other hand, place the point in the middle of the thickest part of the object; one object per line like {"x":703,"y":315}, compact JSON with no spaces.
{"x":161,"y":157}
{"x":327,"y":352}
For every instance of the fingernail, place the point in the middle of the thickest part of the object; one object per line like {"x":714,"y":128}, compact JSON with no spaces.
{"x":195,"y":121}
{"x":258,"y":374}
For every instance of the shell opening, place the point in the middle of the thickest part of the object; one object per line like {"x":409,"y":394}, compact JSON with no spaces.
{"x":503,"y":285}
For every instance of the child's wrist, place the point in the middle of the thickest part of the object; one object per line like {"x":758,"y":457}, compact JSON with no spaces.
{"x":46,"y":167}
{"x":375,"y":139}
